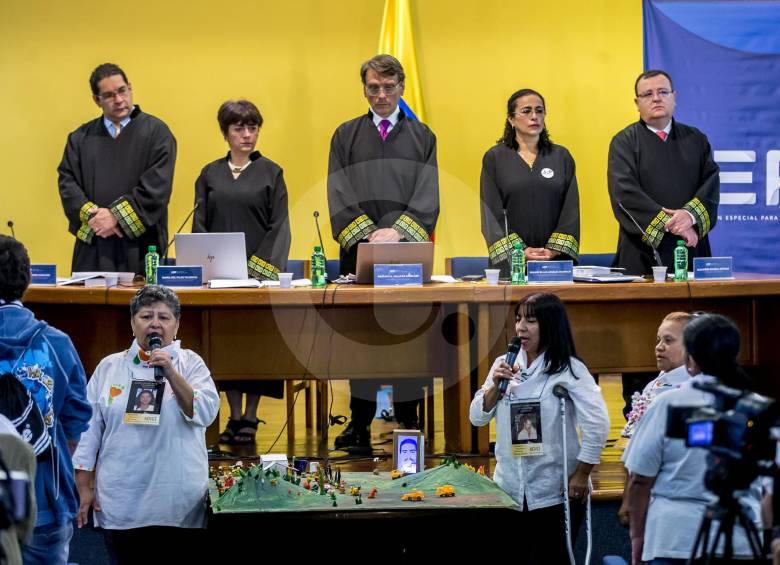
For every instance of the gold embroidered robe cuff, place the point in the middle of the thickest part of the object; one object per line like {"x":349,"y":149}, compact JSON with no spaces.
{"x":654,"y":232}
{"x":127,"y":218}
{"x":358,"y":229}
{"x":699,"y":211}
{"x":499,"y":251}
{"x":85,"y":233}
{"x":564,"y":243}
{"x":84,"y":214}
{"x":262,"y":270}
{"x":409,"y":229}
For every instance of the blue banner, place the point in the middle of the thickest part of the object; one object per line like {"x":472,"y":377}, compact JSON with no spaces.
{"x":724,"y":59}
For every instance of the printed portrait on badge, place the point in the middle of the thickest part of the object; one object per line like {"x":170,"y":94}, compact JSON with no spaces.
{"x":144,"y":403}
{"x":548,"y":173}
{"x":526,"y":429}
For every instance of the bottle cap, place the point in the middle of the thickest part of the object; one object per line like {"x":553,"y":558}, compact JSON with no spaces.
{"x":317,"y":249}
{"x":680,"y":242}
{"x":518,"y":245}
{"x":152,"y":249}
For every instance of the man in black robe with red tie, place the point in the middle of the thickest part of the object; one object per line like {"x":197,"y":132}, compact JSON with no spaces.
{"x":383,"y":186}
{"x":662,"y":174}
{"x":116,"y":178}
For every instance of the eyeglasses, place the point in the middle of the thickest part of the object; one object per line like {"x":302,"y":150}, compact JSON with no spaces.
{"x":389,"y":90}
{"x":525,"y":112}
{"x":122,"y":91}
{"x":661,"y":93}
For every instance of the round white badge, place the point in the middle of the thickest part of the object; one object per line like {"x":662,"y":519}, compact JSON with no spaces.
{"x":547,"y":173}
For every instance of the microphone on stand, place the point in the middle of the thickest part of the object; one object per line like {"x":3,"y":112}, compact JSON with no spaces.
{"x":11,"y":225}
{"x":641,"y":231}
{"x":181,"y":227}
{"x":319,"y":235}
{"x":506,"y":226}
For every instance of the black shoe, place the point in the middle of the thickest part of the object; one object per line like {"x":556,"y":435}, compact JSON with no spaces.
{"x":354,"y":439}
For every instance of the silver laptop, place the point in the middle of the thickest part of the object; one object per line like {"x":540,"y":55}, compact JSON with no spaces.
{"x":223,"y":255}
{"x":370,"y":254}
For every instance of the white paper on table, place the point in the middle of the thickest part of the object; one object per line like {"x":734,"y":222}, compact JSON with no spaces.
{"x":443,"y":278}
{"x":235,"y":283}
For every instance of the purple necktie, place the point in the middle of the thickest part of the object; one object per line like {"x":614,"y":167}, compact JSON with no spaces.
{"x":384,"y":125}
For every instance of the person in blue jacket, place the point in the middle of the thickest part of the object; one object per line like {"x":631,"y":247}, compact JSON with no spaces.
{"x":45,"y":361}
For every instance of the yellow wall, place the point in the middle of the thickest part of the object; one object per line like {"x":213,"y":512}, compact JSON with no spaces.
{"x":299,"y":62}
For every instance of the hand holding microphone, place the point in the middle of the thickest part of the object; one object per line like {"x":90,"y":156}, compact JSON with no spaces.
{"x":159,"y":359}
{"x":505,"y":373}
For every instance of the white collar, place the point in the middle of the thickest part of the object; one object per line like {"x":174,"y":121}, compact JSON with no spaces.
{"x":392,"y":118}
{"x":666,"y":130}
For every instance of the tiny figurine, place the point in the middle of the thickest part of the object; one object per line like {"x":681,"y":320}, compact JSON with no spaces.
{"x":372,"y":494}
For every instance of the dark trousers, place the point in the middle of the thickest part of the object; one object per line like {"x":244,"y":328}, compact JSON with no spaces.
{"x":407,"y":395}
{"x":542,"y":534}
{"x":156,"y":544}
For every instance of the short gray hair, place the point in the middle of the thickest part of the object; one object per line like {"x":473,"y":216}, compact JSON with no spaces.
{"x":385,"y":65}
{"x":150,"y":294}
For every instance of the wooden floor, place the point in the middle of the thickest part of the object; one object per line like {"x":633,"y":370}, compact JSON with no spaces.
{"x":272,"y":437}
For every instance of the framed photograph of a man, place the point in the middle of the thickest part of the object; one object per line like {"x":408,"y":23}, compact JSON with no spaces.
{"x":408,"y":451}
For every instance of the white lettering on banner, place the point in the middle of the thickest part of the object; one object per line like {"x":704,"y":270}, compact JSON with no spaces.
{"x":746,"y":177}
{"x":734,"y":177}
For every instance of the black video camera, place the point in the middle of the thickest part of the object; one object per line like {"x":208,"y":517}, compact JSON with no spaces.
{"x":736,"y":431}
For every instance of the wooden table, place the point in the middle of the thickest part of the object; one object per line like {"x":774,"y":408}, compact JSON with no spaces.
{"x":302,"y":333}
{"x":439,"y":330}
{"x":615,"y":325}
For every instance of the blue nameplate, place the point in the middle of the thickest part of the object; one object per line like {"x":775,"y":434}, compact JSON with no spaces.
{"x":550,"y":272}
{"x":402,"y":274}
{"x":43,"y":274}
{"x":712,"y":268}
{"x":180,"y":275}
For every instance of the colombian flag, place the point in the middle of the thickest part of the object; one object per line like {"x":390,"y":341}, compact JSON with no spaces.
{"x":397,"y":39}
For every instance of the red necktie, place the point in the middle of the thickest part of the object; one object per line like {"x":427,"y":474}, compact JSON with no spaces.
{"x":661,"y":134}
{"x":384,"y":125}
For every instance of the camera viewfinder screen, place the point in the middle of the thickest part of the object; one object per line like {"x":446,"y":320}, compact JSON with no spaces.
{"x":700,"y":434}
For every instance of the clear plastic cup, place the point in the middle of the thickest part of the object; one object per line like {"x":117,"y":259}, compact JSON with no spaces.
{"x":492,"y":275}
{"x":285,"y":280}
{"x":659,"y":274}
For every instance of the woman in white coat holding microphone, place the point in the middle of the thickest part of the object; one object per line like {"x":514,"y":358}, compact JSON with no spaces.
{"x":531,"y":471}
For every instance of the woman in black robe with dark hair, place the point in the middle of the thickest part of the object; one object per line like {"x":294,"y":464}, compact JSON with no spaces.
{"x":533,"y":182}
{"x":245,"y":192}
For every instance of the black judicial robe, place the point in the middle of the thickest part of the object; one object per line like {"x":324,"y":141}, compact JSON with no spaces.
{"x":254,"y":203}
{"x":645,"y":174}
{"x":376,"y":184}
{"x":132,"y":176}
{"x":542,"y":202}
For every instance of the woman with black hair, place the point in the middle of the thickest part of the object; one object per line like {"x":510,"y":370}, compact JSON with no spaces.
{"x":533,"y":182}
{"x":532,"y":472}
{"x":666,"y":495}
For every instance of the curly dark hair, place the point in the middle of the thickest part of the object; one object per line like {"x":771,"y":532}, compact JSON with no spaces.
{"x":508,"y":138}
{"x":152,"y":293}
{"x":14,"y":269}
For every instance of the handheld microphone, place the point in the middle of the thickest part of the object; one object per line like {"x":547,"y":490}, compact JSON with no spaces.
{"x":509,"y":359}
{"x":181,"y":227}
{"x":655,"y":251}
{"x":317,"y":223}
{"x":155,"y":342}
{"x":11,"y":225}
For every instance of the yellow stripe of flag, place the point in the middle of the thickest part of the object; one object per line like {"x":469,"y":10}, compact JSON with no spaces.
{"x":397,"y":39}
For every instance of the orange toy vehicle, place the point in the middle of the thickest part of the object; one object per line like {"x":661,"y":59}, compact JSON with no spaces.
{"x":445,"y":491}
{"x":415,"y":495}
